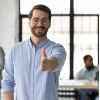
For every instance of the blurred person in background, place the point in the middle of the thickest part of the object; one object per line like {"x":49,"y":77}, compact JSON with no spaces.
{"x":87,"y":73}
{"x":2,"y":61}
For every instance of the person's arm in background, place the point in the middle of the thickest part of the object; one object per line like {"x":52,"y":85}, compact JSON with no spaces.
{"x":2,"y":59}
{"x":8,"y":81}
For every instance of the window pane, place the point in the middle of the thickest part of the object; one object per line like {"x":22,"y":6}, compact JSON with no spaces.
{"x":59,"y":24}
{"x":56,"y":6}
{"x":25,"y":29}
{"x":56,"y":33}
{"x":86,"y":24}
{"x":86,"y":6}
{"x":85,"y":41}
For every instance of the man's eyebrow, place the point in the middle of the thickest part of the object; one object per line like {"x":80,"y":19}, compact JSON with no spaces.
{"x":44,"y":18}
{"x":38,"y":18}
{"x":35,"y":18}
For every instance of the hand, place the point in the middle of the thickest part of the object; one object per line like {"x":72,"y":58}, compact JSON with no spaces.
{"x":44,"y":61}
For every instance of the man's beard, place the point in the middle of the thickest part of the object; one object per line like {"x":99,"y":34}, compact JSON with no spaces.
{"x":90,"y":67}
{"x":39,"y":33}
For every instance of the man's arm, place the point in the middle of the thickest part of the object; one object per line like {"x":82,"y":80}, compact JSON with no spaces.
{"x":77,"y":77}
{"x":55,"y":61}
{"x":49,"y":64}
{"x":8,"y":95}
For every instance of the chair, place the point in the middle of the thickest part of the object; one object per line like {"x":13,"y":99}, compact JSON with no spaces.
{"x":68,"y":93}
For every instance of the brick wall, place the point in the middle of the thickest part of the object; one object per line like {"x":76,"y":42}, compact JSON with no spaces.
{"x":9,"y":20}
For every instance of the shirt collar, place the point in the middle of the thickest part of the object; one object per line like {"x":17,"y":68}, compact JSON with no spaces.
{"x":84,"y":69}
{"x":40,"y":45}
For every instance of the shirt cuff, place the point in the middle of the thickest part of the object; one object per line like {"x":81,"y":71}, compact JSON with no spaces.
{"x":7,"y":88}
{"x":58,"y":66}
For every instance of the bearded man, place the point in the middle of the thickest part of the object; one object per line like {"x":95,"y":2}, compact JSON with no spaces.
{"x":33,"y":66}
{"x":87,"y":73}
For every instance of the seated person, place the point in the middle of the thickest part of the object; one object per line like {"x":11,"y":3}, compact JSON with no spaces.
{"x":85,"y":74}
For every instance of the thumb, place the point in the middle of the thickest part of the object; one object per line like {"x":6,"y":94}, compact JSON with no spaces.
{"x":43,"y":53}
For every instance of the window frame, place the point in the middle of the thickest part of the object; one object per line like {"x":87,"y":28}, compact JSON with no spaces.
{"x":71,"y":15}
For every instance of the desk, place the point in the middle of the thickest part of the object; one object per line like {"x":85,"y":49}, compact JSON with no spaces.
{"x":71,"y":87}
{"x":82,"y":84}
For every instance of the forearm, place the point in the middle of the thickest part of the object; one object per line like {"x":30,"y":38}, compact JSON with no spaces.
{"x":53,"y":63}
{"x":8,"y":95}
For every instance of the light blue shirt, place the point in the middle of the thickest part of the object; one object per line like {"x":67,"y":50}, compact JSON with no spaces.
{"x":22,"y":71}
{"x":85,"y":74}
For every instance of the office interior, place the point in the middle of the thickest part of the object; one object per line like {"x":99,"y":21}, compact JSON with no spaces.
{"x":74,"y":24}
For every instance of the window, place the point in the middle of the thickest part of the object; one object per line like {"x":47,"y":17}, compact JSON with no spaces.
{"x":85,"y":30}
{"x":86,"y":6}
{"x":85,"y":40}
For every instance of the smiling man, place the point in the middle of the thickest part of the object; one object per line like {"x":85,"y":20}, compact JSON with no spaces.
{"x":33,"y":66}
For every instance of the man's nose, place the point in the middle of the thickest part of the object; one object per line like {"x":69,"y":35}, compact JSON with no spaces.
{"x":40,"y":23}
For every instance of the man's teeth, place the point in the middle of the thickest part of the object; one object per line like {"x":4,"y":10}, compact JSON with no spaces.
{"x":39,"y":29}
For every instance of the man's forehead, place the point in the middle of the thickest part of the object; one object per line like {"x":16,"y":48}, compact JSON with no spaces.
{"x":90,"y":58}
{"x":39,"y":13}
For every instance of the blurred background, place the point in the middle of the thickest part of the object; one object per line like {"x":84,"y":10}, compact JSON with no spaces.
{"x":74,"y":24}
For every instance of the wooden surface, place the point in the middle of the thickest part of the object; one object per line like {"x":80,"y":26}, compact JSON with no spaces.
{"x":83,"y":84}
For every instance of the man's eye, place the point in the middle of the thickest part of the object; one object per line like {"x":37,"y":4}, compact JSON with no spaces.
{"x":44,"y":20}
{"x":35,"y":20}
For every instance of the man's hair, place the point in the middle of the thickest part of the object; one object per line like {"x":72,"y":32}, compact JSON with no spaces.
{"x":86,"y":57}
{"x":42,"y":8}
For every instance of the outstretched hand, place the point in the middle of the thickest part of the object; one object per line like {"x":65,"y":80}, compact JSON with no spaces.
{"x":44,"y":61}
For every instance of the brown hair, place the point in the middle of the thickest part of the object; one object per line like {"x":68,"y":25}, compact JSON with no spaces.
{"x":42,"y":8}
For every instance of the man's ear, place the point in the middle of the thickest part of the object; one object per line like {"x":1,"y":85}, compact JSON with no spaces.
{"x":50,"y":24}
{"x":84,"y":62}
{"x":29,"y":22}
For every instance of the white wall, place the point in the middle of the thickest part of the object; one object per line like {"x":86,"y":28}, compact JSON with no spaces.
{"x":9,"y":23}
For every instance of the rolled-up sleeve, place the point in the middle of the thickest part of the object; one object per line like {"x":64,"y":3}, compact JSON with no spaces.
{"x":59,"y":52}
{"x":8,"y":82}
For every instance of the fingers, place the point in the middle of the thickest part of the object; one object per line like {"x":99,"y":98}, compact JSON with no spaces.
{"x":43,"y":69}
{"x":43,"y":53}
{"x":43,"y":60}
{"x":43,"y":66}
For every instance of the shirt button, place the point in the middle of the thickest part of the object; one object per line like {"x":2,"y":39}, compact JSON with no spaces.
{"x":32,"y":64}
{"x":32,"y":76}
{"x":31,"y":88}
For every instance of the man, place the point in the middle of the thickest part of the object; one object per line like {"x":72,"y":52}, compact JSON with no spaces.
{"x":33,"y":66}
{"x":86,"y":74}
{"x":2,"y":61}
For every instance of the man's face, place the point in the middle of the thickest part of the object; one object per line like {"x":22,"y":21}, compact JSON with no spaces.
{"x":39,"y":23}
{"x":89,"y":62}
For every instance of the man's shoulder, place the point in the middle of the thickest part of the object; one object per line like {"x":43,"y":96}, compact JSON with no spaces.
{"x":20,"y":43}
{"x":96,"y":68}
{"x":81,"y":71}
{"x":54,"y":44}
